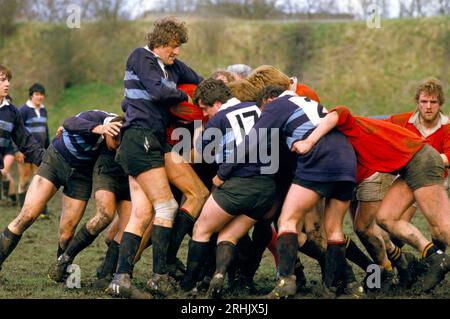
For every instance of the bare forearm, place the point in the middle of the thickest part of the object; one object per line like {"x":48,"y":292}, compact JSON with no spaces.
{"x":328,"y":123}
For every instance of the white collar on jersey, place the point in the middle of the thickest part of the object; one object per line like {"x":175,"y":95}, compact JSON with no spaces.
{"x":4,"y":102}
{"x":31,"y":105}
{"x":160,"y":62}
{"x":414,"y":119}
{"x":288,"y":92}
{"x":231,"y":102}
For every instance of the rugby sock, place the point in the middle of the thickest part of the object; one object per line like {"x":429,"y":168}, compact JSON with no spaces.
{"x":5,"y":187}
{"x":287,"y":247}
{"x":388,"y":266}
{"x":272,"y":246}
{"x":80,"y":241}
{"x":311,"y":249}
{"x":429,"y":250}
{"x":261,"y":238}
{"x":225,"y":253}
{"x":22,"y":199}
{"x":182,"y":225}
{"x":127,"y":252}
{"x":198,"y":252}
{"x":439,"y":244}
{"x":209,"y":265}
{"x":60,"y":251}
{"x":13,"y":198}
{"x":8,"y":241}
{"x":394,"y":255}
{"x":244,"y":256}
{"x":334,"y":263}
{"x":355,"y":255}
{"x":160,"y":242}
{"x":109,"y":265}
{"x":397,"y":242}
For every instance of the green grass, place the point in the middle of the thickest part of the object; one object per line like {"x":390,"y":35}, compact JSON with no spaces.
{"x":92,"y":96}
{"x":24,"y":274}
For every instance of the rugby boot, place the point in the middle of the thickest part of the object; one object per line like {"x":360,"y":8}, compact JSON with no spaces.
{"x":285,"y":287}
{"x":247,"y":285}
{"x":437,"y":267}
{"x":350,"y":286}
{"x":161,"y":285}
{"x":122,"y":287}
{"x":215,"y":289}
{"x":58,"y":269}
{"x":203,"y":285}
{"x":406,"y":274}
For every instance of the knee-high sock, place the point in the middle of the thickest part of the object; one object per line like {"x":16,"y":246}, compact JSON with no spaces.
{"x":225,"y":254}
{"x":182,"y":225}
{"x":109,"y":265}
{"x":160,"y":242}
{"x":127,"y":252}
{"x":355,"y":255}
{"x":8,"y":241}
{"x":287,"y":247}
{"x":80,"y":241}
{"x":197,"y":254}
{"x":334,"y":263}
{"x":261,"y":238}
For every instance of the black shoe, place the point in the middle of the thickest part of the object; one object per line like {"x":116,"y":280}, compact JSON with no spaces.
{"x":436,"y":269}
{"x":406,"y":274}
{"x":122,"y":287}
{"x":247,"y":285}
{"x":202,"y":286}
{"x":101,"y":283}
{"x":58,"y":269}
{"x":161,"y":285}
{"x":176,"y":270}
{"x":286,"y":287}
{"x":350,"y":287}
{"x":215,"y":289}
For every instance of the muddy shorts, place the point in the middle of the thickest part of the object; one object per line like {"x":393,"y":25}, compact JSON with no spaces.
{"x":76,"y":181}
{"x":140,"y":151}
{"x":426,"y":168}
{"x":341,"y":190}
{"x":251,"y":196}
{"x":109,"y":176}
{"x":374,"y":187}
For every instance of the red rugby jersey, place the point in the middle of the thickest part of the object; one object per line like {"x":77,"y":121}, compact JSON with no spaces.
{"x":440,"y":139}
{"x":380,"y":146}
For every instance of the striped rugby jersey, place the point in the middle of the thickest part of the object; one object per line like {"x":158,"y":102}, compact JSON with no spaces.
{"x":36,"y":122}
{"x":13,"y":129}
{"x":234,"y":120}
{"x":150,"y":91}
{"x":77,"y":144}
{"x":331,"y":160}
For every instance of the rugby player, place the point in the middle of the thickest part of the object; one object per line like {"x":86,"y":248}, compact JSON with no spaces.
{"x":35,"y":118}
{"x":387,"y":148}
{"x":234,"y":207}
{"x":68,"y":162}
{"x":151,"y":78}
